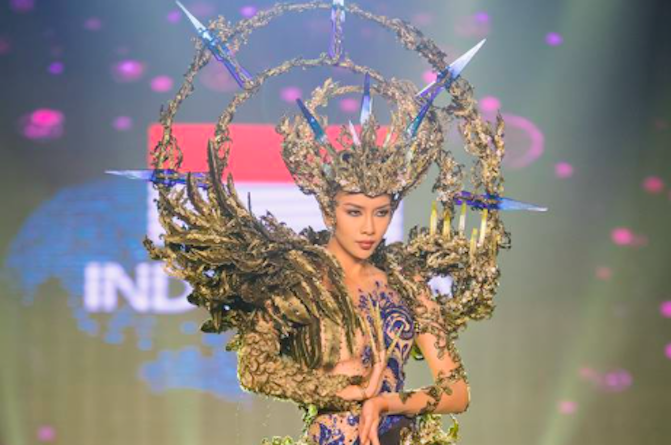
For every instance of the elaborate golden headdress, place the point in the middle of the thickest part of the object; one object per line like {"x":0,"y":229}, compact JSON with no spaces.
{"x":237,"y":261}
{"x":367,"y":162}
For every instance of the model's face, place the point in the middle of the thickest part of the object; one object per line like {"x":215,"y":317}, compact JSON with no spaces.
{"x":361,"y":222}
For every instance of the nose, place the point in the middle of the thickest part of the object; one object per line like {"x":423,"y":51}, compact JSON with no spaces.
{"x":368,"y":227}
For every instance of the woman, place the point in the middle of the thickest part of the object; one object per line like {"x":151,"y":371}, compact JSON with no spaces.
{"x":360,"y":219}
{"x":329,"y":319}
{"x":357,"y":229}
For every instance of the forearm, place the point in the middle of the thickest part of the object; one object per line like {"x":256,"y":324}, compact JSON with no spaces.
{"x":287,"y":381}
{"x":262,"y":369}
{"x":437,"y":399}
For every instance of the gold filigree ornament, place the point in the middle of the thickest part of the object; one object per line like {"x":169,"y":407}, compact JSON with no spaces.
{"x":245,"y":268}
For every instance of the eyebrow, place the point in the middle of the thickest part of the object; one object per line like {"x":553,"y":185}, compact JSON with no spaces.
{"x":360,"y":207}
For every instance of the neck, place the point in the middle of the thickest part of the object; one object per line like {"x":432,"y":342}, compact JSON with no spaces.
{"x":352,"y":266}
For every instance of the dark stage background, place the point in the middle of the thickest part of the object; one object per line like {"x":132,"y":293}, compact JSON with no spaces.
{"x":98,"y":347}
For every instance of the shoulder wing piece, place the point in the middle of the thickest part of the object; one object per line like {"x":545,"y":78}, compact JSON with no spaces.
{"x":237,"y":263}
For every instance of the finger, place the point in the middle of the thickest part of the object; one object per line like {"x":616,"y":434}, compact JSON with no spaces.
{"x":369,"y":333}
{"x":375,"y":313}
{"x":374,"y":438}
{"x":394,"y":341}
{"x":375,"y":353}
{"x":366,"y":432}
{"x":362,"y":430}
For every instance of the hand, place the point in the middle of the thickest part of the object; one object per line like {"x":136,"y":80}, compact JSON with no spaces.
{"x":375,"y":378}
{"x":369,"y":421}
{"x":380,"y":352}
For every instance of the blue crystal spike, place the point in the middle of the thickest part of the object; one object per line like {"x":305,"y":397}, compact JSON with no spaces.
{"x":219,"y":50}
{"x":337,"y":19}
{"x":494,"y":202}
{"x":167,"y":177}
{"x":452,"y":72}
{"x":338,"y":10}
{"x":413,"y":128}
{"x":317,"y":129}
{"x":355,"y":136}
{"x":444,"y":80}
{"x":366,"y":101}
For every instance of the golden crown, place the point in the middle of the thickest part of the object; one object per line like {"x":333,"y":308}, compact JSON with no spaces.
{"x":367,"y":161}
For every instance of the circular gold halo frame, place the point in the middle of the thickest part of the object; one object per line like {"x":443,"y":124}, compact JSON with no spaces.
{"x":167,"y":153}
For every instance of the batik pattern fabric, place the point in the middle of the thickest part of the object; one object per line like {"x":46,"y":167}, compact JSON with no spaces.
{"x":342,"y":428}
{"x":334,"y":420}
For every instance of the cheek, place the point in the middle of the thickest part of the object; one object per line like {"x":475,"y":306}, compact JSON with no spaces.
{"x":345,"y":225}
{"x":384,"y":224}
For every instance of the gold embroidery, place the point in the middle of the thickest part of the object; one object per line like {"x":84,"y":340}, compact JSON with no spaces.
{"x":262,"y":369}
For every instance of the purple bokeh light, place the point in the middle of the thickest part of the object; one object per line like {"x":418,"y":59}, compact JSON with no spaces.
{"x":567,"y":407}
{"x":588,"y":373}
{"x":554,"y":39}
{"x":161,"y":84}
{"x":43,"y":124}
{"x":349,"y":105}
{"x":653,"y":184}
{"x":667,"y":351}
{"x":22,"y":6}
{"x":56,"y":68}
{"x":429,"y":76}
{"x":122,"y":123}
{"x":290,"y":94}
{"x":490,"y":104}
{"x":617,"y":381}
{"x":46,"y":433}
{"x":481,"y":17}
{"x":128,"y":71}
{"x":93,"y":24}
{"x":622,"y":236}
{"x":248,"y":11}
{"x":173,"y":16}
{"x":563,"y":170}
{"x":665,"y":309}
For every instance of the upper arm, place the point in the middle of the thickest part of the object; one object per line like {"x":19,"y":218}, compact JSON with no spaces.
{"x":433,"y":337}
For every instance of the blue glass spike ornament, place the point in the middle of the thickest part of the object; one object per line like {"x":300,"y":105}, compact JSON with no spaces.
{"x":452,"y":72}
{"x":444,"y":80}
{"x":355,"y":136}
{"x":167,"y":177}
{"x":366,"y":102}
{"x":317,"y":129}
{"x":219,"y":50}
{"x":337,"y":19}
{"x":338,"y":10}
{"x":493,"y":202}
